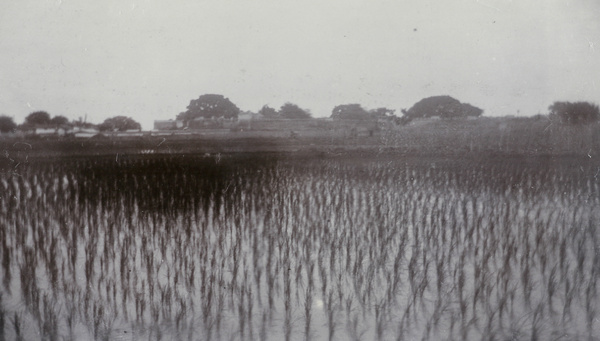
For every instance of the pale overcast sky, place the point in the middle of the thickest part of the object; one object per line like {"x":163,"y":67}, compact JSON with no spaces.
{"x":147,"y":59}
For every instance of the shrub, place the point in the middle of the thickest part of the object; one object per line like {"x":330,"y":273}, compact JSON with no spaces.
{"x":443,"y":107}
{"x":209,"y":106}
{"x":268,"y":112}
{"x":119,"y":123}
{"x":38,"y":118}
{"x":292,"y":111}
{"x":7,"y":124}
{"x":351,"y":111}
{"x":574,"y":113}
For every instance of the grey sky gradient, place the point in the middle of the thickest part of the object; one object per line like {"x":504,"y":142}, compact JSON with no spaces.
{"x":147,"y":59}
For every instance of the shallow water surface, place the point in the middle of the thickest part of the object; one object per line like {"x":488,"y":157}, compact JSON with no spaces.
{"x":266,"y":247}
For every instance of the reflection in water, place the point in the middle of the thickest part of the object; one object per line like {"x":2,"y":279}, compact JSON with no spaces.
{"x":258,"y":248}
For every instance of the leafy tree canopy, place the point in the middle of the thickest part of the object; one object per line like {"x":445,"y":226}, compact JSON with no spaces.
{"x":119,"y":123}
{"x":209,"y":106}
{"x":443,"y":107}
{"x":575,"y":113}
{"x":470,"y":110}
{"x":59,"y":121}
{"x":7,"y":124}
{"x":37,"y":118}
{"x":268,"y":112}
{"x":83,"y":123}
{"x":292,"y":111}
{"x":350,"y":112}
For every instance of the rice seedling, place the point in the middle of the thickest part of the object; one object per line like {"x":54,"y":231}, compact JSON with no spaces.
{"x":2,"y":320}
{"x":17,"y":325}
{"x":244,"y":246}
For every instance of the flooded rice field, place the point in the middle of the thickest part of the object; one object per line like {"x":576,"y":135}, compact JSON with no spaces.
{"x":265,"y":247}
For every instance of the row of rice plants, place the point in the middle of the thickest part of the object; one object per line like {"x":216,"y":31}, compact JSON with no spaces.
{"x":189,"y":248}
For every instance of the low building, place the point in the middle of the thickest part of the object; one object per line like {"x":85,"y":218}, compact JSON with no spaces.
{"x":81,"y":132}
{"x":168,"y":124}
{"x":51,"y":131}
{"x":211,"y":123}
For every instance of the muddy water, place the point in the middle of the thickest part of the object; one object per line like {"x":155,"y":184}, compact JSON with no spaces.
{"x":265,"y":247}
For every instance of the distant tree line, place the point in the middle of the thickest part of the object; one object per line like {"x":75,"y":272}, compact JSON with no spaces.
{"x":214,"y":106}
{"x":218,"y":107}
{"x":43,"y":120}
{"x":288,"y":111}
{"x":357,"y":112}
{"x":444,"y":107}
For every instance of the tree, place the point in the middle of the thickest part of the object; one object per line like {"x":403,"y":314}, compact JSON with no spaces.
{"x":441,"y":106}
{"x":268,"y":112}
{"x":37,"y":118}
{"x":209,"y":106}
{"x":292,"y":111}
{"x":119,"y":123}
{"x":7,"y":124}
{"x":574,"y":113}
{"x":82,"y":123}
{"x":471,"y":111}
{"x":59,"y":121}
{"x":350,"y":112}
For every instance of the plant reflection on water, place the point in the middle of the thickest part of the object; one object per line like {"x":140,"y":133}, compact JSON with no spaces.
{"x":174,"y":247}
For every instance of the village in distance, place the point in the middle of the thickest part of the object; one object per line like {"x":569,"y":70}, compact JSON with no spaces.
{"x":435,"y":125}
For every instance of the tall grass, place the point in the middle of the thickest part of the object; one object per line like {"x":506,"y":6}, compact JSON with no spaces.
{"x":180,"y":247}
